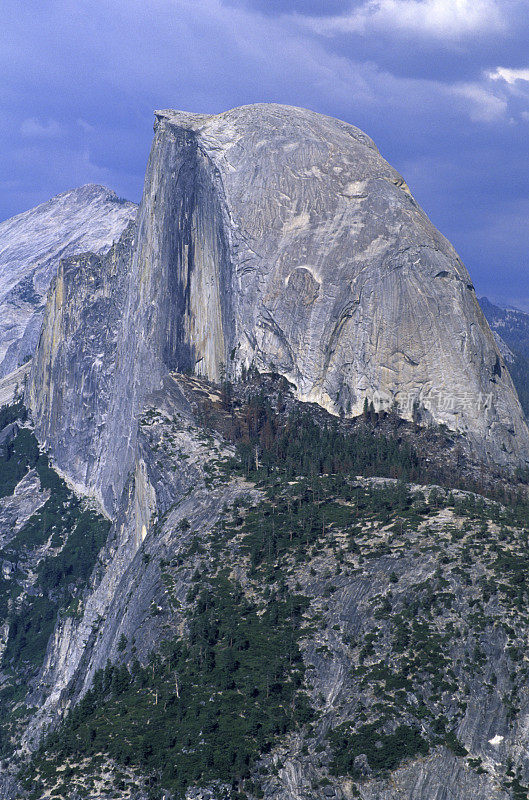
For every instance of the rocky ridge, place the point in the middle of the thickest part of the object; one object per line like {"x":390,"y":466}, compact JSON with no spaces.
{"x":89,"y":218}
{"x":511,"y":327}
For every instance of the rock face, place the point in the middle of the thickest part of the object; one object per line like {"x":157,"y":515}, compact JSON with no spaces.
{"x":31,"y":245}
{"x":339,"y":280}
{"x":73,"y":377}
{"x":275,"y":237}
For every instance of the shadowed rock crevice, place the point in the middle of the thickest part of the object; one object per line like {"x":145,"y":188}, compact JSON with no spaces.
{"x":169,"y":309}
{"x":177,"y":309}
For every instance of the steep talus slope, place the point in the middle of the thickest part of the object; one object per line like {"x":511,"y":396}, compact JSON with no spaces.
{"x":31,"y":245}
{"x":271,"y":236}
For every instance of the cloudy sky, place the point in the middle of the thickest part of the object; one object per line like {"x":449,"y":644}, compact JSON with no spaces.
{"x":442,"y":86}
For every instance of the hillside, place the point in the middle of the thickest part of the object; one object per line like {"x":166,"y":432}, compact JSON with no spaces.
{"x":288,"y":629}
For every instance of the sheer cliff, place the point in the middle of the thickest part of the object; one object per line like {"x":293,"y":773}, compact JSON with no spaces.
{"x":277,"y":238}
{"x":89,"y":218}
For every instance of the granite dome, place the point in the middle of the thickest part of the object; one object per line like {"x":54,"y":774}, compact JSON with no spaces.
{"x":273,"y":237}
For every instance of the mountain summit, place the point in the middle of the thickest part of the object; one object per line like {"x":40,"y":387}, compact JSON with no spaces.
{"x":31,"y":245}
{"x":276,"y":238}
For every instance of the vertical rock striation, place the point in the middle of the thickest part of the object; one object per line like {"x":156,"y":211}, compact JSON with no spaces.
{"x":177,"y":314}
{"x":73,"y":377}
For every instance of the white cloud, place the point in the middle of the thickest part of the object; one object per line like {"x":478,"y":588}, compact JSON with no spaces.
{"x":484,"y":105}
{"x":515,"y":86}
{"x":508,"y":75}
{"x":33,"y":128}
{"x":442,"y":19}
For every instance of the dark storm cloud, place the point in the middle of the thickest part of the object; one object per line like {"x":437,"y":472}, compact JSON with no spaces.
{"x":441,"y":85}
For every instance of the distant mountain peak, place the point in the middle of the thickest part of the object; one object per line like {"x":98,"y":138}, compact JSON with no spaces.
{"x":86,"y":218}
{"x":485,"y":301}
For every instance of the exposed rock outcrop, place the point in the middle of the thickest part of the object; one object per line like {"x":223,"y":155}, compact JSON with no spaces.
{"x":12,"y":385}
{"x":73,"y":377}
{"x":339,"y":279}
{"x":89,"y":218}
{"x":275,"y":237}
